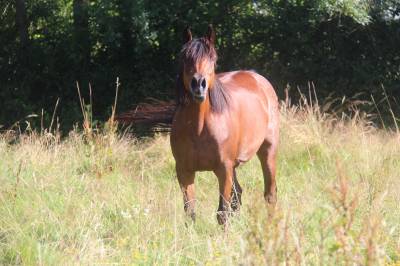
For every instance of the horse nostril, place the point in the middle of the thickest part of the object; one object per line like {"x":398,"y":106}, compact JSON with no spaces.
{"x":203,"y":83}
{"x":193,"y":83}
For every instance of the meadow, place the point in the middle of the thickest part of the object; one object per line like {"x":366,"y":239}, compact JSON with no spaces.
{"x":105,"y":197}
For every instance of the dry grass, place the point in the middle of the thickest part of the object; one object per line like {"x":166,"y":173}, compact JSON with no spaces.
{"x":113,"y":199}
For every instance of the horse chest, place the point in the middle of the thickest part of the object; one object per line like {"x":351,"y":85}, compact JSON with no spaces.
{"x":199,"y":152}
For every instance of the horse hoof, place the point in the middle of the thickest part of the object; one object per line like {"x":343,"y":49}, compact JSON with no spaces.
{"x":222,"y":217}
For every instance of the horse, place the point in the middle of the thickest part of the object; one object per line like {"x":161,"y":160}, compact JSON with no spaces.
{"x":221,"y":121}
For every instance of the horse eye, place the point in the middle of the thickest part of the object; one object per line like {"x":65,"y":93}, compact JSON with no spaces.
{"x":203,"y":83}
{"x":193,"y":83}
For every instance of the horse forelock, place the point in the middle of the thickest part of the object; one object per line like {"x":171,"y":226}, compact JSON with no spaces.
{"x":197,"y":50}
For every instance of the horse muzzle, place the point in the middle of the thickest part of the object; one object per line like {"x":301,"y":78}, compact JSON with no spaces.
{"x":199,"y":94}
{"x":198,"y":88}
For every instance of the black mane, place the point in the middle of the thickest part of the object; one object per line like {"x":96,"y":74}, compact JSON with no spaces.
{"x":218,"y":97}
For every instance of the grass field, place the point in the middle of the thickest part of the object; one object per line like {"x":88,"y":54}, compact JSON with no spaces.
{"x":110,"y":199}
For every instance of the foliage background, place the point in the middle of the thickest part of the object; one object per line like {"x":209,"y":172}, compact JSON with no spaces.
{"x":344,"y":47}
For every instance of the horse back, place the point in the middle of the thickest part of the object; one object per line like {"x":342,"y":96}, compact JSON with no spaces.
{"x":250,"y":93}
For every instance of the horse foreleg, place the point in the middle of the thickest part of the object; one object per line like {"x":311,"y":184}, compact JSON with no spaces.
{"x":267,"y":156}
{"x":186,"y":182}
{"x":225,"y":181}
{"x":236,"y":195}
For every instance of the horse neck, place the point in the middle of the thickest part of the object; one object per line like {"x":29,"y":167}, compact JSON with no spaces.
{"x":199,"y":114}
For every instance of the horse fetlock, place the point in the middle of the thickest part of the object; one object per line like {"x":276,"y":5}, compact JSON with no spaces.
{"x":222,"y":217}
{"x":190,"y":213}
{"x":189,"y":208}
{"x":192,"y":216}
{"x":270,"y":198}
{"x":223,"y":213}
{"x":191,"y":219}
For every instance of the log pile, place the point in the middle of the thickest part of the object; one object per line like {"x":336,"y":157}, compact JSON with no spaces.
{"x":149,"y":114}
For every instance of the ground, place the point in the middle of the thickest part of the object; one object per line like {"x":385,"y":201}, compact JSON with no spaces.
{"x":111,"y":198}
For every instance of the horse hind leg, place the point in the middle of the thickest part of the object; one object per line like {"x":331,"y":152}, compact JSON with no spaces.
{"x":236,"y":194}
{"x":267,"y":156}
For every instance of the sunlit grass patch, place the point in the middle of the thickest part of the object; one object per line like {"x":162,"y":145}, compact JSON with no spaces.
{"x":115,"y":199}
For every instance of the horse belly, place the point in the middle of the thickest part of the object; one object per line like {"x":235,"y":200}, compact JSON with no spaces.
{"x":249,"y":146}
{"x":254,"y":126}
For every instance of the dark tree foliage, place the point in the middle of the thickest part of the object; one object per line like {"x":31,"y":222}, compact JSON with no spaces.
{"x":46,"y":46}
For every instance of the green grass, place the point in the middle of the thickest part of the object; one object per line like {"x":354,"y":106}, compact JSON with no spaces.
{"x":114,"y":199}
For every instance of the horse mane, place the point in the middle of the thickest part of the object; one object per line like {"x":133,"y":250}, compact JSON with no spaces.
{"x":218,"y":97}
{"x":192,"y":52}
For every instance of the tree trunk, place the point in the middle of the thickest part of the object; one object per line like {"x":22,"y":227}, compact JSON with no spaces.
{"x":126,"y":28}
{"x":81,"y":37}
{"x":22,"y":22}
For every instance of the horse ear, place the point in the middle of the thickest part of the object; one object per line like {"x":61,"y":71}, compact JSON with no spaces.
{"x":211,"y":34}
{"x":187,"y":35}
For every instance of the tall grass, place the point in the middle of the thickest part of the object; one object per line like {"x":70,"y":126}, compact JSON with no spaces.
{"x":114,"y":199}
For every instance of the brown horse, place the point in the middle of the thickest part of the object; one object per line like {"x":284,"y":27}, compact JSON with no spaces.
{"x":221,"y":121}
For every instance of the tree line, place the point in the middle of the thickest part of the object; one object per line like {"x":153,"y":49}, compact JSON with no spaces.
{"x":46,"y":46}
